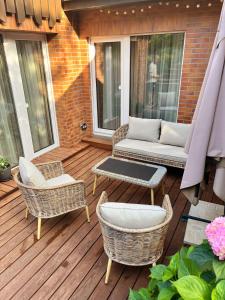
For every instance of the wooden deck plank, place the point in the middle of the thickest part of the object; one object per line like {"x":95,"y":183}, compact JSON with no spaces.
{"x":68,"y":261}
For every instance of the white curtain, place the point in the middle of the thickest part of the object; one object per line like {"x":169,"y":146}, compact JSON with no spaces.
{"x":156,"y":63}
{"x":35,"y":89}
{"x":10,"y":142}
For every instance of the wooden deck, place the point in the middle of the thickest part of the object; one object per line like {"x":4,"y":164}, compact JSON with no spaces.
{"x":68,"y":262}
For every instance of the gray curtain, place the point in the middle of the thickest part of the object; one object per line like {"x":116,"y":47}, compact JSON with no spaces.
{"x":10,"y":142}
{"x":108,"y":80}
{"x":35,"y":89}
{"x":156,"y":63}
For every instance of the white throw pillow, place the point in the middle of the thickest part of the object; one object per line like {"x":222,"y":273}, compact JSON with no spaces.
{"x":60,"y":180}
{"x":132,"y":216}
{"x":143,"y":129}
{"x":175,"y":134}
{"x":30,"y":174}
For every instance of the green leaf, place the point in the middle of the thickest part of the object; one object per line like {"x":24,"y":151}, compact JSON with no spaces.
{"x":193,"y":288}
{"x":202,"y":256}
{"x":219,"y":292}
{"x":168,"y":274}
{"x":133,"y":295}
{"x":219,"y":269}
{"x":157,"y":272}
{"x":152,"y":284}
{"x":167,"y":293}
{"x":174,"y":263}
{"x":187,"y":267}
{"x":209,"y":277}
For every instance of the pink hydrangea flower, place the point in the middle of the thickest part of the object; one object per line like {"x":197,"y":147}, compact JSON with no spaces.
{"x":215,"y":233}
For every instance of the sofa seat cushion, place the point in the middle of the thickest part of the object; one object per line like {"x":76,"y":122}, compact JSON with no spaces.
{"x":60,"y":180}
{"x":155,"y":150}
{"x":132,"y":216}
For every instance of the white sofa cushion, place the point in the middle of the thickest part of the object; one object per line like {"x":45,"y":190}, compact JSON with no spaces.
{"x":175,"y":134}
{"x":152,"y":149}
{"x":30,"y":174}
{"x":143,"y":129}
{"x":60,"y":180}
{"x":132,"y":216}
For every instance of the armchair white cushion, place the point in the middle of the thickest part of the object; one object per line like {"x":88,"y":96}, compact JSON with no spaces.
{"x":62,"y":179}
{"x":132,"y":216}
{"x":175,"y":134}
{"x":144,"y":129}
{"x":30,"y":174}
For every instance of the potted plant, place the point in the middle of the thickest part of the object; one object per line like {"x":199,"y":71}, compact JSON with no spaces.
{"x":193,"y":273}
{"x":5,"y":169}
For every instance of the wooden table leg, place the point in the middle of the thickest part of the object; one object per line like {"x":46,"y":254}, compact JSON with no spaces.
{"x":95,"y":184}
{"x":152,"y":197}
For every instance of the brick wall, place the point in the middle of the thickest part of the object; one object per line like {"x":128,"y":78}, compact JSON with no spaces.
{"x":70,"y":73}
{"x":198,"y":23}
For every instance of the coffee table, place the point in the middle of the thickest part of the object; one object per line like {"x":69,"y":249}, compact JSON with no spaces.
{"x":143,"y":174}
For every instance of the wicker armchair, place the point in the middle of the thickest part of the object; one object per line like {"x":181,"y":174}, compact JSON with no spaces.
{"x":50,"y":202}
{"x":134,"y":247}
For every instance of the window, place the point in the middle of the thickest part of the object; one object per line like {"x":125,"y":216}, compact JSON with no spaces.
{"x":155,"y":75}
{"x":28,"y":121}
{"x":137,"y":76}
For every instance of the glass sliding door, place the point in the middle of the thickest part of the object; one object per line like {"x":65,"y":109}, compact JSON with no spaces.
{"x":28,"y":124}
{"x":156,"y":62}
{"x":35,"y":90}
{"x":10,"y":141}
{"x":108,"y":84}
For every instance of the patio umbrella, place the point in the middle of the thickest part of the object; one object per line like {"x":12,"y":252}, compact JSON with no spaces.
{"x":207,"y":137}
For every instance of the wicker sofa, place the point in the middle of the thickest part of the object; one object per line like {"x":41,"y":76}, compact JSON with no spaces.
{"x":153,"y":152}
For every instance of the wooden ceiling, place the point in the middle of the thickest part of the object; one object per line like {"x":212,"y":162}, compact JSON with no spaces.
{"x":37,"y":9}
{"x":78,"y":5}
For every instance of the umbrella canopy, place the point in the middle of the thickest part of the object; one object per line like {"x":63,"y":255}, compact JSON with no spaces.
{"x":207,"y":138}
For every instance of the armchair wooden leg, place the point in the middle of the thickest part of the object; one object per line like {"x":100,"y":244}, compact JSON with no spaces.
{"x":95,"y":184}
{"x":39,"y":229}
{"x":108,"y":271}
{"x":152,"y":197}
{"x":87,"y":213}
{"x":26,"y":213}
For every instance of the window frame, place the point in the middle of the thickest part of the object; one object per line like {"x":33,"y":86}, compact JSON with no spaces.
{"x":9,"y":44}
{"x":125,"y":80}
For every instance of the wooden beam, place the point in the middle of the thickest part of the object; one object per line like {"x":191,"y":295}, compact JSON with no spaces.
{"x":37,"y":12}
{"x":10,"y":6}
{"x":2,"y":11}
{"x":58,"y":5}
{"x":72,"y":5}
{"x":52,"y":11}
{"x":20,"y":11}
{"x":29,"y":7}
{"x":45,"y":8}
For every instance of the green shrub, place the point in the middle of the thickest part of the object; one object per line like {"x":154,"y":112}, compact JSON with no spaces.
{"x":4,"y":163}
{"x":193,"y":273}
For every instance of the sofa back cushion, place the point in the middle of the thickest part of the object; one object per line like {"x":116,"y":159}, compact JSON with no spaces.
{"x":30,"y":174}
{"x":132,"y":216}
{"x":175,"y":134}
{"x":143,"y":129}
